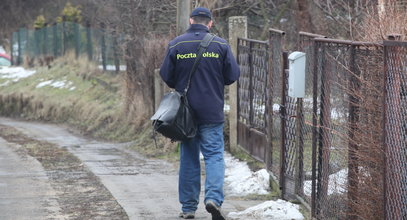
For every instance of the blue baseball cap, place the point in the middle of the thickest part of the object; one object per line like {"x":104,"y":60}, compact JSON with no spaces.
{"x":201,"y":11}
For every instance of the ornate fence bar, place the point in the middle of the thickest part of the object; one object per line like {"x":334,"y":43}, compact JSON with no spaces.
{"x":252,"y":103}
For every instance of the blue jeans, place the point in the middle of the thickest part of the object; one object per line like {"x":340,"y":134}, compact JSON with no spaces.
{"x":209,"y":140}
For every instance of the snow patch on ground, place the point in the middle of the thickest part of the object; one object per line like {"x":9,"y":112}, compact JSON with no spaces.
{"x":270,"y":210}
{"x":113,"y":67}
{"x":241,"y":181}
{"x":226,"y":108}
{"x":276,"y":108}
{"x":64,"y":84}
{"x":15,"y":73}
{"x":6,"y":83}
{"x":336,"y":185}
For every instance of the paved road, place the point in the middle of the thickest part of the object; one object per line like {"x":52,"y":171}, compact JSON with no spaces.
{"x":145,"y":188}
{"x":25,"y":191}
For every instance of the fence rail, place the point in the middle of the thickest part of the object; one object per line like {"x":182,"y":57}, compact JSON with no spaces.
{"x":341,"y":148}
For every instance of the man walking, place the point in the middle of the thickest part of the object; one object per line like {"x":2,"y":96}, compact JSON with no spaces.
{"x":217,"y":68}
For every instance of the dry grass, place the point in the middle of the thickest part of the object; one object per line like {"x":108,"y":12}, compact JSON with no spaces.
{"x":95,"y":106}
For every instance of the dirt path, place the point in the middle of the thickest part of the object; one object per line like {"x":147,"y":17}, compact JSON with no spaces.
{"x":145,"y":188}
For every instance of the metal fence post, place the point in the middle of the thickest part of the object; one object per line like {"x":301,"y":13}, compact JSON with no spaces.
{"x":353,"y":148}
{"x":251,"y":95}
{"x":384,"y":124}
{"x":325,"y":138}
{"x":12,"y":49}
{"x":314,"y":128}
{"x":55,"y":39}
{"x":37,"y":42}
{"x":283,"y":114}
{"x":77,"y":39}
{"x":300,"y":146}
{"x":89,"y":45}
{"x":103,"y":46}
{"x":19,"y":57}
{"x":116,"y":53}
{"x":65,"y":40}
{"x":269,"y":117}
{"x":45,"y":46}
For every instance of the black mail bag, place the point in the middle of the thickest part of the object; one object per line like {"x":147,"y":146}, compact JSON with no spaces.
{"x":174,"y":117}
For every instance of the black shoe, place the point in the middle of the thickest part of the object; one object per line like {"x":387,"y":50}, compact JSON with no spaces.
{"x":187,"y":215}
{"x":212,"y":208}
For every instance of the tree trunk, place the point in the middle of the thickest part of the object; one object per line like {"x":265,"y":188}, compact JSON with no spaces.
{"x":304,"y":16}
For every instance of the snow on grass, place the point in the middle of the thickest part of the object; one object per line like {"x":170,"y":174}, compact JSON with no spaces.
{"x":63,"y":84}
{"x":42,"y":84}
{"x":241,"y":181}
{"x":6,"y":83}
{"x":270,"y":210}
{"x":15,"y":73}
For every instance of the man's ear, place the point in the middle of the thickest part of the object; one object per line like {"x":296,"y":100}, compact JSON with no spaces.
{"x":191,"y":21}
{"x":210,"y":24}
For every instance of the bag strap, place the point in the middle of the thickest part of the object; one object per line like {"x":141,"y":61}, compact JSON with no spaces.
{"x":201,"y":49}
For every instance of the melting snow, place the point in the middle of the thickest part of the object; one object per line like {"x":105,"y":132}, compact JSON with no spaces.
{"x":336,"y":185}
{"x":15,"y":73}
{"x":64,"y":84}
{"x":6,"y":83}
{"x":276,"y":107}
{"x":278,"y":210}
{"x":241,"y":181}
{"x":113,"y":67}
{"x":226,"y":108}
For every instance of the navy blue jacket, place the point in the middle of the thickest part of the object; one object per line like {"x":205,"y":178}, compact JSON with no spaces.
{"x":217,"y":68}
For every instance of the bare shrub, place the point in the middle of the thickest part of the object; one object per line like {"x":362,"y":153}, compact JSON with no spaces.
{"x":368,"y":152}
{"x":342,"y":18}
{"x":378,"y":25}
{"x":368,"y":167}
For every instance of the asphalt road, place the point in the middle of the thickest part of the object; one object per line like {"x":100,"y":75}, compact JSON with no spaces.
{"x":25,"y":191}
{"x":145,"y":188}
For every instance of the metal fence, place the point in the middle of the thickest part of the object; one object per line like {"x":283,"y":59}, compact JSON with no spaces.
{"x":395,"y":129}
{"x":308,"y":116}
{"x":60,"y":38}
{"x":342,"y":161}
{"x":252,"y":103}
{"x":327,"y":149}
{"x":277,"y":100}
